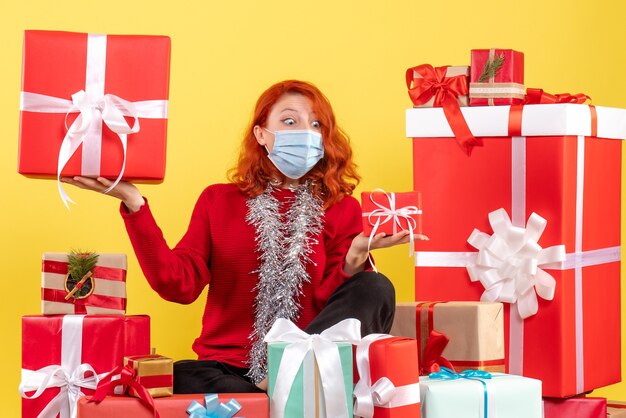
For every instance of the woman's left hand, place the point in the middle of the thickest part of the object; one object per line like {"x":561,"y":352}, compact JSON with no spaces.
{"x":358,"y":252}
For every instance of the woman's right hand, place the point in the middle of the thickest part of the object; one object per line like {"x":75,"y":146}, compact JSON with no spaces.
{"x":126,"y":192}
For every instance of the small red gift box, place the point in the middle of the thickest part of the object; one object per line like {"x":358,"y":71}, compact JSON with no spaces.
{"x":388,"y":385}
{"x":496,"y":77}
{"x":578,"y":407}
{"x":253,"y":405}
{"x":562,"y":162}
{"x":64,"y":355}
{"x":111,"y":93}
{"x":391,"y":212}
{"x":107,"y":284}
{"x":154,"y":372}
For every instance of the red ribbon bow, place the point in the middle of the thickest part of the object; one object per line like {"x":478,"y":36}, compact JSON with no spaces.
{"x":538,"y":96}
{"x":432,"y":360}
{"x":127,"y":378}
{"x":445,"y":91}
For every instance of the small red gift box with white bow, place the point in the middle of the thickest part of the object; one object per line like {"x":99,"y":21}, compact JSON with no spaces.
{"x":391,"y":212}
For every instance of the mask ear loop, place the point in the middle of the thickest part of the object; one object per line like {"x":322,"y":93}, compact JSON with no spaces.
{"x":273,"y":133}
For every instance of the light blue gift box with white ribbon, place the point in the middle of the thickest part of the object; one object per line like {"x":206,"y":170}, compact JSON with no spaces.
{"x":311,"y":376}
{"x":499,"y":396}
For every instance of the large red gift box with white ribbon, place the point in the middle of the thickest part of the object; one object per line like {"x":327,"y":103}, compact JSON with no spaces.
{"x":80,"y":96}
{"x":555,"y":170}
{"x":64,"y":356}
{"x":107,"y":293}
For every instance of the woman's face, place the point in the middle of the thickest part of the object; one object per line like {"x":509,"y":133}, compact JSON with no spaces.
{"x":292,"y":111}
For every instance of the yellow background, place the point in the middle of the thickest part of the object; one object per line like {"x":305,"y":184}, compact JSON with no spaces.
{"x":224,"y":54}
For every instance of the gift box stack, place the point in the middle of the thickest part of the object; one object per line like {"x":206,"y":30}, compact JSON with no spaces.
{"x":522,"y":199}
{"x":96,"y":105}
{"x":82,"y":335}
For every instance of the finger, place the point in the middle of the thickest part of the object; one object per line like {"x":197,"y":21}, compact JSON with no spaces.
{"x":75,"y":182}
{"x":420,"y":237}
{"x":105,"y":182}
{"x":89,"y":183}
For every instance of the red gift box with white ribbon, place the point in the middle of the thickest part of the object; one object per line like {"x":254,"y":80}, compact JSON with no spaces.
{"x":391,"y":212}
{"x":388,"y":385}
{"x":65,"y":356}
{"x":94,"y":105}
{"x":554,"y":170}
{"x":108,"y":286}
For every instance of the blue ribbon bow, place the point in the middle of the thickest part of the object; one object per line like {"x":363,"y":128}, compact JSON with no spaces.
{"x":471,"y":374}
{"x":213,"y":409}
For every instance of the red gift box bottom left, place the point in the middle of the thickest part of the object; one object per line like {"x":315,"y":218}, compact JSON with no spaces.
{"x":253,"y":405}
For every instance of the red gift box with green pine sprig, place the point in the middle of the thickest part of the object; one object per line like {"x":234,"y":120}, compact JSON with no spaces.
{"x":496,"y":77}
{"x":562,"y":162}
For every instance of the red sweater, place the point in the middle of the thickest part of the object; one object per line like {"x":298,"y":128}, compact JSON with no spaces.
{"x":218,"y":250}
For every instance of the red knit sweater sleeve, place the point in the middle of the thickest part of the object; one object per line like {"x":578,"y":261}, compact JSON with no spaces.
{"x":179,"y":274}
{"x":343,"y":224}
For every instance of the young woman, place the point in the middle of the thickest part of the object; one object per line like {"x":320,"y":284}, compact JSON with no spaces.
{"x":282,"y":239}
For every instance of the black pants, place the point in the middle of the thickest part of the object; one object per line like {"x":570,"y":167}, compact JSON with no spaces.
{"x":367,"y":296}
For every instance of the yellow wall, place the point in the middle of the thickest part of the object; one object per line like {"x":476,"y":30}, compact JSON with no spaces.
{"x":224,"y":53}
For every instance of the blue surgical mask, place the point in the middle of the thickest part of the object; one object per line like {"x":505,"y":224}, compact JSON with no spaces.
{"x":296,"y":152}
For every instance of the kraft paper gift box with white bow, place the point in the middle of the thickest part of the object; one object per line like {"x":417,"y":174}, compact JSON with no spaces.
{"x":497,"y":396}
{"x":64,"y":356}
{"x":108,"y":284}
{"x":554,"y":172}
{"x":310,"y":376}
{"x":94,"y":105}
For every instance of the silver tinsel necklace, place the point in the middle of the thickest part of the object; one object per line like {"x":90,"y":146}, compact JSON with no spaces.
{"x":284,"y":244}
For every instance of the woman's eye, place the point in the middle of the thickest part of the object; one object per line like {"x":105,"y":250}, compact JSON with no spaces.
{"x":289,"y":121}
{"x":316,"y":124}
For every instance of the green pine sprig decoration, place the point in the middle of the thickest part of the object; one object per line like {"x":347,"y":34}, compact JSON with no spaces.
{"x":492,"y":66}
{"x":80,"y":263}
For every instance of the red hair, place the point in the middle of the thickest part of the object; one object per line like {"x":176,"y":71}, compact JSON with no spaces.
{"x":332,"y":178}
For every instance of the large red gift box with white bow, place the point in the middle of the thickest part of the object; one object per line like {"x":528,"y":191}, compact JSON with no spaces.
{"x":543,"y":194}
{"x":80,"y":96}
{"x":64,"y":356}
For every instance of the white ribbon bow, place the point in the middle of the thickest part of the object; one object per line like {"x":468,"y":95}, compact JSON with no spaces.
{"x":390,"y":213}
{"x":109,"y":109}
{"x":383,"y":393}
{"x":508,"y":262}
{"x":70,"y":376}
{"x":326,"y":352}
{"x":70,"y":383}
